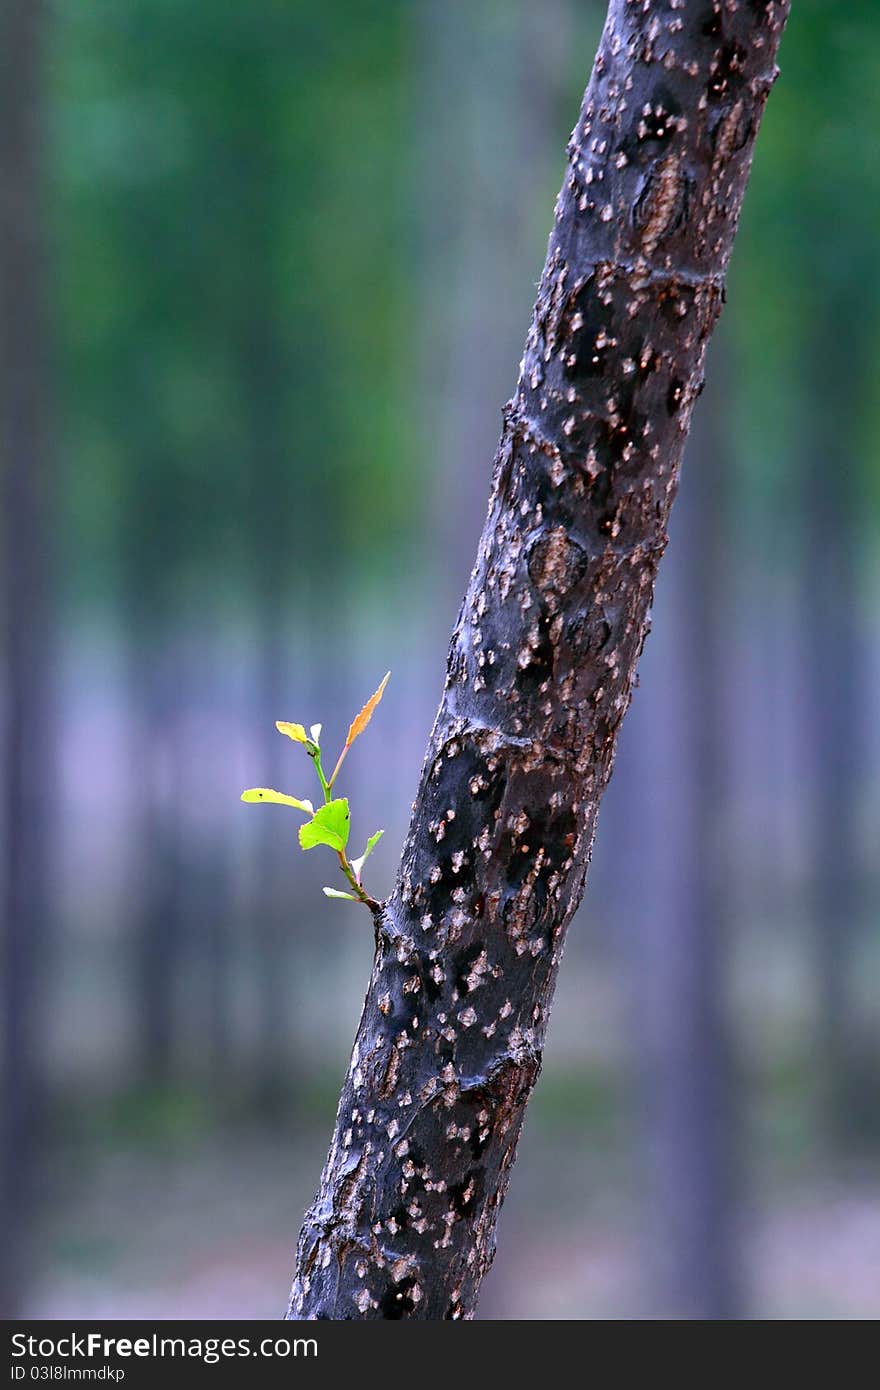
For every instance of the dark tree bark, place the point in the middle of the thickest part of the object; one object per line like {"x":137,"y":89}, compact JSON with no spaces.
{"x":541,"y":664}
{"x":23,"y":451}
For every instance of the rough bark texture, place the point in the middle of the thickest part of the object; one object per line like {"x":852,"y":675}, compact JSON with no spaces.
{"x":541,"y":664}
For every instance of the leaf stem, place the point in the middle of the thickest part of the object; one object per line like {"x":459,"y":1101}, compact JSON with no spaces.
{"x":350,"y":875}
{"x":339,"y":761}
{"x":327,"y":788}
{"x":325,"y":785}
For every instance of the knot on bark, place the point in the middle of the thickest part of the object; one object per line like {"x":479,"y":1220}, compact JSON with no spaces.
{"x":662,"y":204}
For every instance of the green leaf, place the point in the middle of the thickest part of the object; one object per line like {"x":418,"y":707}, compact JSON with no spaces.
{"x":358,"y":864}
{"x":336,"y":893}
{"x":372,"y":843}
{"x":328,"y":826}
{"x":278,"y":798}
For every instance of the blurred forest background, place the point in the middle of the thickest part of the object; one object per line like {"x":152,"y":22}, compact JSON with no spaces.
{"x":266,"y":271}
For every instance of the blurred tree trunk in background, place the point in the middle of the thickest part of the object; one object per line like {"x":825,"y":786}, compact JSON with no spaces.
{"x":156,"y":681}
{"x":836,"y":682}
{"x":708,"y":1213}
{"x":275,"y":536}
{"x":493,"y":100}
{"x":157,"y":521}
{"x":673,"y":893}
{"x":25,"y":598}
{"x":687,"y":1064}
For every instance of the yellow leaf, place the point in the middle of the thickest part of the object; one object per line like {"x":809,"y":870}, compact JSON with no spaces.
{"x":294,"y":731}
{"x":360,"y":722}
{"x":268,"y":794}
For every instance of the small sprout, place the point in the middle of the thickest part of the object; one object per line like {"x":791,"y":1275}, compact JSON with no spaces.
{"x":330,"y":824}
{"x":358,"y":864}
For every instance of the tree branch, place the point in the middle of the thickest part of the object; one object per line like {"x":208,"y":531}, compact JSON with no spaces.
{"x":541,"y":664}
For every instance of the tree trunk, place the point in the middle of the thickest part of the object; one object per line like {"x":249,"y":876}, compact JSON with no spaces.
{"x":541,"y":665}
